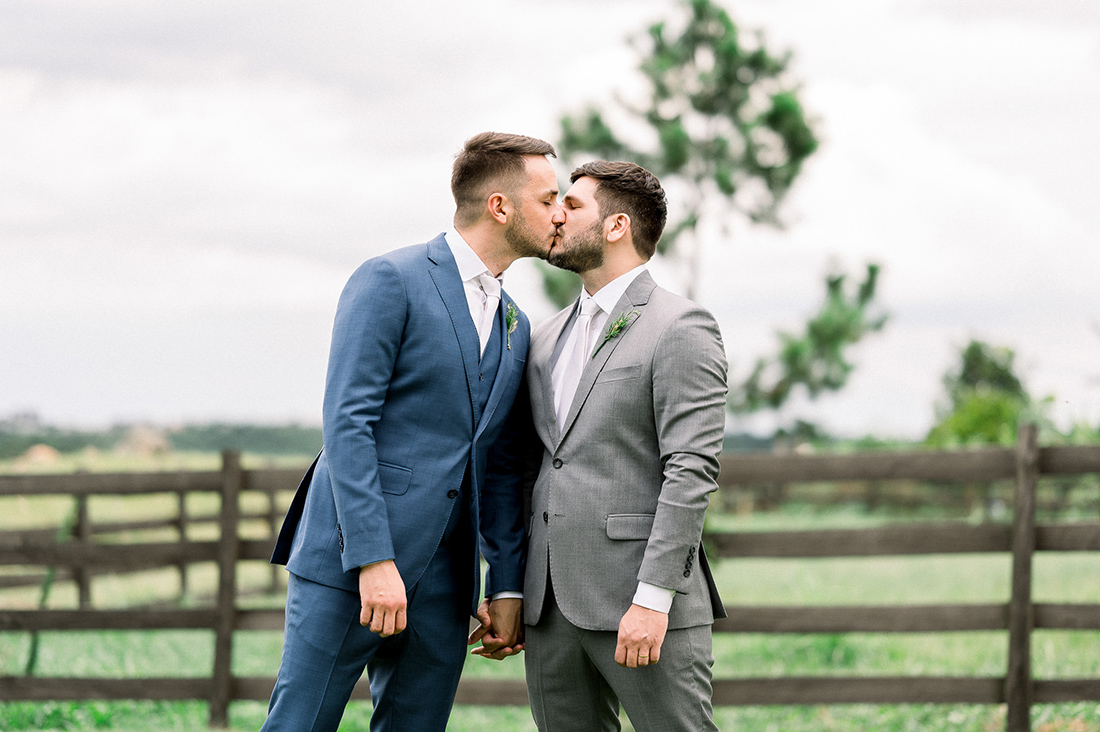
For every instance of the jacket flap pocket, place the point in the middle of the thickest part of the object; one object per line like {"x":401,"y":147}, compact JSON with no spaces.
{"x":394,"y":478}
{"x":629,"y":526}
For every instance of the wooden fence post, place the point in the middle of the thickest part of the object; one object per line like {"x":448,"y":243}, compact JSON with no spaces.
{"x":82,"y":534}
{"x":273,"y":524}
{"x":228,"y":552}
{"x":181,"y":527}
{"x":1019,"y":689}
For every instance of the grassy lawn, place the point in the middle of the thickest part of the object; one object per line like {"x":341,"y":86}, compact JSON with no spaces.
{"x":877,"y":580}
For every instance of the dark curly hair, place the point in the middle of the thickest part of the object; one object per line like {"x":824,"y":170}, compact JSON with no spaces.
{"x":631,"y":189}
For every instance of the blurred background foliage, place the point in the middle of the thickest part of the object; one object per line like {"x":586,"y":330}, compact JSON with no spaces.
{"x":724,"y":129}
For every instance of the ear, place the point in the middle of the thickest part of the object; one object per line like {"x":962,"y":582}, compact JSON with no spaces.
{"x":616,"y":226}
{"x":498,"y":207}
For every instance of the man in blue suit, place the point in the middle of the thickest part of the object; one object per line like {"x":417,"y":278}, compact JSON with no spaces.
{"x":383,"y":537}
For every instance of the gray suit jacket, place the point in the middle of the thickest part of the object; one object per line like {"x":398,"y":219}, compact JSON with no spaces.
{"x":622,"y":490}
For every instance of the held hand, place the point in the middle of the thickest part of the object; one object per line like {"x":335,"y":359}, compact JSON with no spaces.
{"x":507,"y":619}
{"x":501,"y":628}
{"x":382,"y":593}
{"x":484,"y":623}
{"x":499,"y":654}
{"x":641,"y":633}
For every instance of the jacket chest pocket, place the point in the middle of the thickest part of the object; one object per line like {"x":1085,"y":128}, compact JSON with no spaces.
{"x":619,"y":374}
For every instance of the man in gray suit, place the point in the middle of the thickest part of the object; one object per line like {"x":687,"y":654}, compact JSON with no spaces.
{"x":628,"y":394}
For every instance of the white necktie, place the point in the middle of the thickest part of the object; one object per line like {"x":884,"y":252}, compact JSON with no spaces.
{"x":577,"y":351}
{"x":490,"y":290}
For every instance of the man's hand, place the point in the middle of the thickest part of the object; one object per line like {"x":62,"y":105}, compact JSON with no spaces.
{"x":501,"y":628}
{"x":641,"y":633}
{"x":382,"y":593}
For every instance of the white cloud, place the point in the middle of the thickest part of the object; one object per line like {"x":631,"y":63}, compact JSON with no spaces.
{"x":186,"y":187}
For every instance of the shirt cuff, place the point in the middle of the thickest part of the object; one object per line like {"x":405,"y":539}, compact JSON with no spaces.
{"x":506,"y":595}
{"x":654,"y":597}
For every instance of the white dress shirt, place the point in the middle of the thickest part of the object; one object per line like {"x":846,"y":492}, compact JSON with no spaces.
{"x":482,"y":287}
{"x":477,"y":282}
{"x":647,"y":595}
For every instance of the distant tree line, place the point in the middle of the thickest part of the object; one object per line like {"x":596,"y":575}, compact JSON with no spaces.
{"x":259,"y":439}
{"x":265,"y":440}
{"x":15,"y":442}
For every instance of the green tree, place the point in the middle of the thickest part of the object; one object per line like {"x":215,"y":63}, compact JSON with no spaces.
{"x":727,"y":130}
{"x":985,"y":399}
{"x":817,"y":359}
{"x":725,"y":121}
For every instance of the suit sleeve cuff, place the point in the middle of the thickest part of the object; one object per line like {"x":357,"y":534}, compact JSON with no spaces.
{"x":654,"y":597}
{"x":506,"y":595}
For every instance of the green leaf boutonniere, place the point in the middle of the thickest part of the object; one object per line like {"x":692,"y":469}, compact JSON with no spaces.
{"x":616,"y":327}
{"x":511,"y":320}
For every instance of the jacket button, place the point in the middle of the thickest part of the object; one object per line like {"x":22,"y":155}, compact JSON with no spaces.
{"x":557,"y":463}
{"x":545,"y":517}
{"x":452,"y":493}
{"x":687,"y":572}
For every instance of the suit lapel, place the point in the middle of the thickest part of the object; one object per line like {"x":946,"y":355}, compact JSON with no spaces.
{"x":444,"y":273}
{"x":541,"y":363}
{"x":634,"y":299}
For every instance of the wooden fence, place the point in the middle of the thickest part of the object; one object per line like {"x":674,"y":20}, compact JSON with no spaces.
{"x":1018,"y":616}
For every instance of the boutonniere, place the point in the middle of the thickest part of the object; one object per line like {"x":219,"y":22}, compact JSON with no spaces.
{"x":511,"y":320}
{"x":616,"y":327}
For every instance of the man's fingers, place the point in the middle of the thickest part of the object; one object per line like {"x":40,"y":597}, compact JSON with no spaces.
{"x":498,"y":654}
{"x":399,"y":620}
{"x":492,"y":641}
{"x":387,"y":623}
{"x":384,"y":621}
{"x":620,"y":652}
{"x":483,"y":615}
{"x":477,"y":635}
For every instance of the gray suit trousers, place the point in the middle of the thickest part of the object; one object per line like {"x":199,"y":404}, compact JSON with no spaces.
{"x":575,"y":685}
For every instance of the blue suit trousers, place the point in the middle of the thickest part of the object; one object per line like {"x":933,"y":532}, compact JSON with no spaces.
{"x":413,"y":675}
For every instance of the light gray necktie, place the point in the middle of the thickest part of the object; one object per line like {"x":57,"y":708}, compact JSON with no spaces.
{"x":577,"y":353}
{"x":490,"y":289}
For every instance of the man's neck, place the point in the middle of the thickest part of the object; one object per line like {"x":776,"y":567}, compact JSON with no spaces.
{"x":596,"y":279}
{"x":491,"y":249}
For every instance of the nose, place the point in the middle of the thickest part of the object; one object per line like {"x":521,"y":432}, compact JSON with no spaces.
{"x":559,"y":214}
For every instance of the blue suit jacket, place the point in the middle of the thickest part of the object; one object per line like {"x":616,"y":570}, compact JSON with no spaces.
{"x":402,"y":425}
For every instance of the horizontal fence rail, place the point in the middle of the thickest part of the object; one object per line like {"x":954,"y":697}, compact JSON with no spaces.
{"x":977,"y":465}
{"x":86,"y":552}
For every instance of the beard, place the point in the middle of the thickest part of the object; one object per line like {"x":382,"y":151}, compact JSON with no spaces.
{"x":581,"y":252}
{"x":523,"y":240}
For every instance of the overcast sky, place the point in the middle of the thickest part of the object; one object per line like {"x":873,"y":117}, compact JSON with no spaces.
{"x":185,"y":187}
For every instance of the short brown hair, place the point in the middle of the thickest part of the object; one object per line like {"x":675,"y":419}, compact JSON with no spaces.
{"x":491,"y":158}
{"x":623,"y":187}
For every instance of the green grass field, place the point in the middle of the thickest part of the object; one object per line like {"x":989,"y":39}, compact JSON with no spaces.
{"x":933,"y":579}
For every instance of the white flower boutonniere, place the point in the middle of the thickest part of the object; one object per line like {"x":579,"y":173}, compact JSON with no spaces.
{"x":511,"y":320}
{"x":615,"y":328}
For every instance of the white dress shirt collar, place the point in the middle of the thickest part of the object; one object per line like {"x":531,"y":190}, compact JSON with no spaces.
{"x":608,"y":295}
{"x":469,"y":264}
